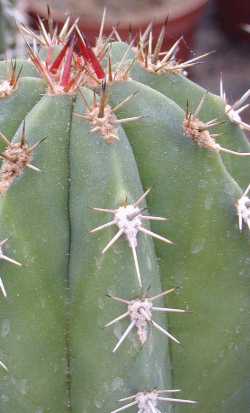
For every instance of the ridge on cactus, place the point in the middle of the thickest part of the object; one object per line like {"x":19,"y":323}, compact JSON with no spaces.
{"x":118,"y":119}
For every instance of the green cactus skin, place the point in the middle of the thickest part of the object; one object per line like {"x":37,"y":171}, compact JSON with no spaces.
{"x":57,"y":284}
{"x":19,"y":104}
{"x":53,"y":336}
{"x":182,"y":90}
{"x":211,"y":260}
{"x":37,"y":380}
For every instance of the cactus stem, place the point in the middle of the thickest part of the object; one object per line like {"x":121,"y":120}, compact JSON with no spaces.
{"x":3,"y":288}
{"x":5,"y":257}
{"x":147,"y":401}
{"x":140,"y":313}
{"x":243,"y":209}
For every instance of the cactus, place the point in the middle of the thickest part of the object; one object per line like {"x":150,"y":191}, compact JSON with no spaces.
{"x":95,"y":156}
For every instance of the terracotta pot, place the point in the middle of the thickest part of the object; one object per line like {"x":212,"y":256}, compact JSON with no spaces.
{"x":130,"y":17}
{"x":235,"y":17}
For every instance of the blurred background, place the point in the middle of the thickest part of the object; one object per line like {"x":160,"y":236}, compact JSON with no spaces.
{"x":222,"y":26}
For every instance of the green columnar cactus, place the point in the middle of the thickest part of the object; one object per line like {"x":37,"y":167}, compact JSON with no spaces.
{"x":88,"y":272}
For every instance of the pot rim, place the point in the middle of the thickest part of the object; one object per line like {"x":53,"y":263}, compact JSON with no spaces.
{"x":157,"y":15}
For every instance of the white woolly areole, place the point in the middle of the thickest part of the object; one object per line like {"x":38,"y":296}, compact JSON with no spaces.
{"x":233,"y":114}
{"x":5,"y":88}
{"x":144,"y":400}
{"x":140,"y":311}
{"x":128,"y":219}
{"x":243,"y":209}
